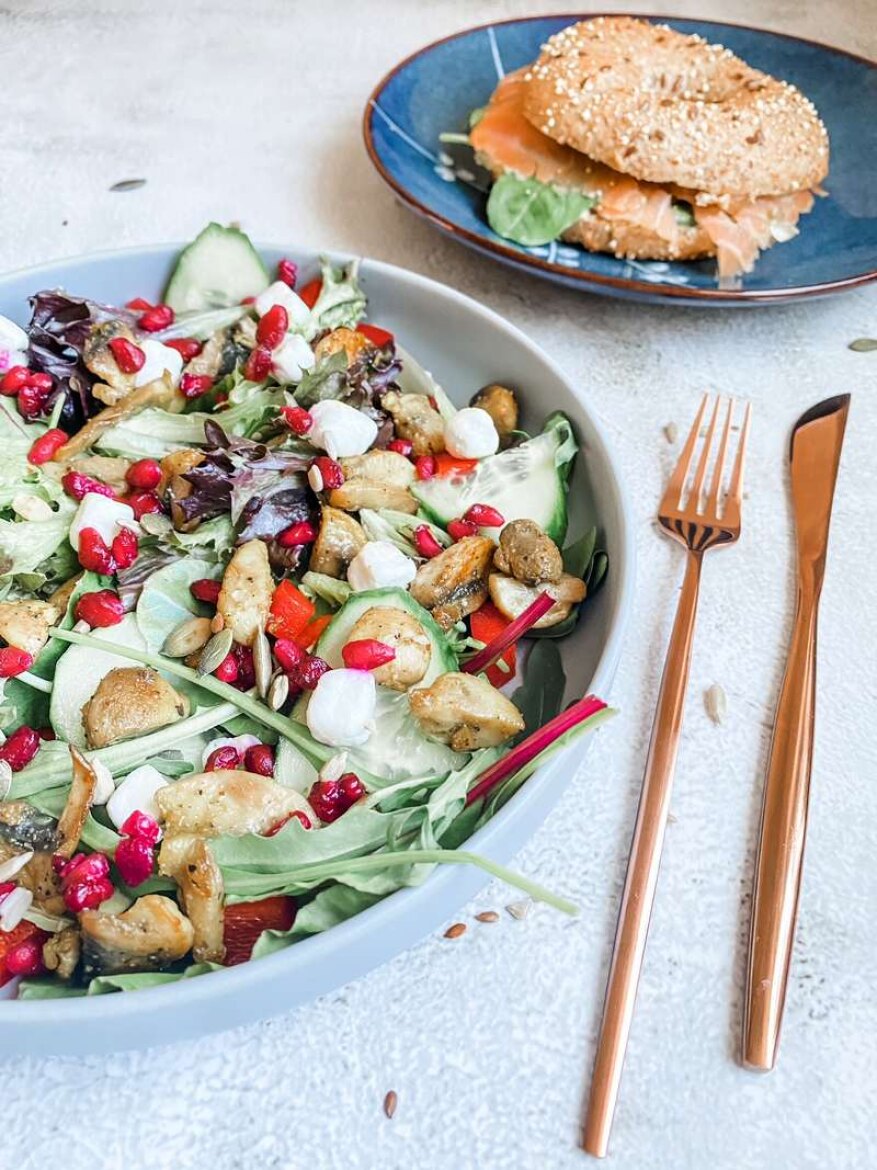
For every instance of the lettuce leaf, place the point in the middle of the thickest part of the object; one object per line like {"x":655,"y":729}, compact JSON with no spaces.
{"x":533,"y":213}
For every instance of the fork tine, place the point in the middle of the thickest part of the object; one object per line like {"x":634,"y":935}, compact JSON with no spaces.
{"x":712,"y":502}
{"x":700,"y":474}
{"x":673,"y":494}
{"x":735,"y":490}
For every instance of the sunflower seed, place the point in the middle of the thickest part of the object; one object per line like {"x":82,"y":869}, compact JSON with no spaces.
{"x":390,"y":1102}
{"x":189,"y":636}
{"x":863,"y":344}
{"x":5,"y":779}
{"x":487,"y":916}
{"x":128,"y":185}
{"x":278,"y":692}
{"x":155,"y":524}
{"x":671,"y":432}
{"x":519,"y":910}
{"x":716,"y":702}
{"x":456,"y":930}
{"x":315,"y":478}
{"x":334,"y":768}
{"x":30,"y":507}
{"x":262,"y":663}
{"x":215,"y":651}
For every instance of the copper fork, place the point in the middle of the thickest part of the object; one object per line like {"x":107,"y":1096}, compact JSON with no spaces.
{"x":699,"y":520}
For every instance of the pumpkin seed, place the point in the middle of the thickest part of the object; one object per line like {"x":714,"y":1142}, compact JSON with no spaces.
{"x":390,"y":1102}
{"x":155,"y":524}
{"x":716,"y":702}
{"x":262,"y":662}
{"x":5,"y":779}
{"x":215,"y":651}
{"x":863,"y":344}
{"x":190,"y":635}
{"x":278,"y":692}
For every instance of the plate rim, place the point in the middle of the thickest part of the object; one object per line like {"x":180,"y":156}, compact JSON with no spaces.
{"x":247,"y":978}
{"x":652,"y":290}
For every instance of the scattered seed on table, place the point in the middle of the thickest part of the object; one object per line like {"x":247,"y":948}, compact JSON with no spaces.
{"x":128,"y":185}
{"x":716,"y":702}
{"x":671,"y":432}
{"x":390,"y":1102}
{"x":519,"y":910}
{"x":456,"y":930}
{"x":863,"y":345}
{"x":487,"y":916}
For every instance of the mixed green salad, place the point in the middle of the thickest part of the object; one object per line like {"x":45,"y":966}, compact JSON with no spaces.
{"x":262,"y":595}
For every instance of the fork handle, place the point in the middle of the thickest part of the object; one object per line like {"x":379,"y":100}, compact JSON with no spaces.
{"x":781,"y":843}
{"x":642,"y":869}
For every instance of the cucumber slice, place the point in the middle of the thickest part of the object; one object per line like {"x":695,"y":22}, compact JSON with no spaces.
{"x":530,"y":482}
{"x":398,"y":749}
{"x":78,"y":674}
{"x":220,"y":267}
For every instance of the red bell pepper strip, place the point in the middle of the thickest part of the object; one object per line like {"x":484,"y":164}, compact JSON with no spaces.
{"x":487,"y":624}
{"x":450,"y":465}
{"x":311,"y":291}
{"x":290,"y":611}
{"x":245,"y":921}
{"x":376,"y":335}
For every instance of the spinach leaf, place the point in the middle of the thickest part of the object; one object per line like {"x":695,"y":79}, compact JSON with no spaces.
{"x":532,"y":213}
{"x":540,"y":695}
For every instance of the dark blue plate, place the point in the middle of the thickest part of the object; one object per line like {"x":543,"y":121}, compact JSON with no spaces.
{"x":434,"y":90}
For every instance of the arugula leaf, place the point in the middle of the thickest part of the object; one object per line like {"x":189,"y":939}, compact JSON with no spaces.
{"x":530,"y":212}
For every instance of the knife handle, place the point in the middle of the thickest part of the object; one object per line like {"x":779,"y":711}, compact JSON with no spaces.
{"x":781,"y":843}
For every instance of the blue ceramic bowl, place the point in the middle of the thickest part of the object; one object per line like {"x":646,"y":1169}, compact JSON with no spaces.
{"x":423,"y":314}
{"x":435,"y":89}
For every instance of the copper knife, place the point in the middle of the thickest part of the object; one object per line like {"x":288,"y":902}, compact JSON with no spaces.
{"x":817,"y":439}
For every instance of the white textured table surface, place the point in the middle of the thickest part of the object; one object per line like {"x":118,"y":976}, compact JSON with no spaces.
{"x":251,"y":112}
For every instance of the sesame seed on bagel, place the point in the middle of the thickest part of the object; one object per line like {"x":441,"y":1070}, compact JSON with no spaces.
{"x":668,"y":108}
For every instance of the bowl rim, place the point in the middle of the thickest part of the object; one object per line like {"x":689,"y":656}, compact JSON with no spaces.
{"x":248,"y":976}
{"x":655,"y":291}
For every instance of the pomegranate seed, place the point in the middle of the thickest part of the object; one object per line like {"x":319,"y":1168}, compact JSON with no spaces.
{"x":247,"y":301}
{"x":484,"y":516}
{"x":330,"y":470}
{"x":46,"y":445}
{"x":13,"y":380}
{"x":301,"y":533}
{"x":194,"y":385}
{"x":246,"y":670}
{"x":309,"y":672}
{"x":297,"y":419}
{"x":425,"y":466}
{"x":425,"y":543}
{"x":82,"y":867}
{"x":258,"y":364}
{"x":367,"y":654}
{"x":78,"y":486}
{"x":25,"y":959}
{"x":288,"y":654}
{"x":135,"y":860}
{"x":94,"y":553}
{"x":139,"y":305}
{"x":458,"y":529}
{"x":125,"y":548}
{"x":87,"y":895}
{"x":129,"y":357}
{"x":42,"y":382}
{"x":227,"y":671}
{"x":287,"y":271}
{"x":144,"y":503}
{"x":223,"y":758}
{"x":141,"y":826}
{"x":327,"y":800}
{"x":101,"y":608}
{"x":259,"y":759}
{"x":145,"y":474}
{"x":272,"y":328}
{"x":156,"y":318}
{"x":206,"y":590}
{"x":352,"y":788}
{"x":14,"y":661}
{"x":401,"y":446}
{"x":31,"y":401}
{"x":186,"y":347}
{"x":46,"y":734}
{"x":6,"y":888}
{"x":20,"y":748}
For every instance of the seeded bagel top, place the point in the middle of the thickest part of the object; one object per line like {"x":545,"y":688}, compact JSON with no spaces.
{"x":670,"y":108}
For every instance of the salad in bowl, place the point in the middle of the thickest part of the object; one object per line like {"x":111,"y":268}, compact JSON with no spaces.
{"x":278,"y":622}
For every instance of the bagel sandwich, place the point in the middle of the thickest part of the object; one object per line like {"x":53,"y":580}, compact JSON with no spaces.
{"x":630,"y":138}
